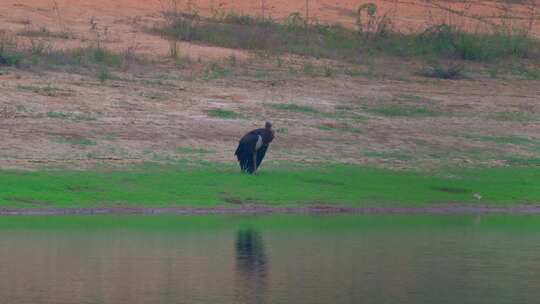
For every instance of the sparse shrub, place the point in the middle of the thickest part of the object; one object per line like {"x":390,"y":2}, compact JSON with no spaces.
{"x":9,"y":52}
{"x":448,"y":41}
{"x":183,"y":60}
{"x":10,"y":58}
{"x":104,"y":74}
{"x":173,"y":49}
{"x":279,"y":61}
{"x":43,"y":32}
{"x":231,"y":60}
{"x":234,"y":18}
{"x":39,"y":47}
{"x":295,"y":22}
{"x":530,"y":73}
{"x":370,"y":25}
{"x":308,"y":68}
{"x":181,"y":26}
{"x":437,"y":70}
{"x":216,"y":71}
{"x":328,"y":72}
{"x":48,"y":90}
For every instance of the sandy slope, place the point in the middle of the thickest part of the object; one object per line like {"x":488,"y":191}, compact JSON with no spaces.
{"x":158,"y":112}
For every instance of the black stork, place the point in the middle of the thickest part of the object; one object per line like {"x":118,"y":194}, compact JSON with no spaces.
{"x":252,"y":148}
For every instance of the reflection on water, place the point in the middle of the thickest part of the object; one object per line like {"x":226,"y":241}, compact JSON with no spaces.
{"x":301,"y":260}
{"x":251,"y":267}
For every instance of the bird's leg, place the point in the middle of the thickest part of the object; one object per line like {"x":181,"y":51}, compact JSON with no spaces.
{"x":254,"y":162}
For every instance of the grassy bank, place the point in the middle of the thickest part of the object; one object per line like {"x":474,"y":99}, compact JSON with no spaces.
{"x":321,"y":224}
{"x":372,"y":37}
{"x":221,"y":185}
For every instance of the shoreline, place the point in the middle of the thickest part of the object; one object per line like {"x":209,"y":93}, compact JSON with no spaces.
{"x":266,"y":210}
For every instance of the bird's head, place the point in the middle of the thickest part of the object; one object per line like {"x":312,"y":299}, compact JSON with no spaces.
{"x":269,"y":134}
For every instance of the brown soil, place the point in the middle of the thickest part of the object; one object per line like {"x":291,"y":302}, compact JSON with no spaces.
{"x":158,"y":111}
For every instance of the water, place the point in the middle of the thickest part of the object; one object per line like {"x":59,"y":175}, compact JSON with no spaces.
{"x":344,"y":259}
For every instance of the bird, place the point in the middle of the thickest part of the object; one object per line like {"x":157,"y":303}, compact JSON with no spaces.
{"x":252,"y":148}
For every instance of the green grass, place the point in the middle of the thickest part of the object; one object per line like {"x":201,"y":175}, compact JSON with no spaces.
{"x":77,"y":141}
{"x":513,"y":116}
{"x":401,"y":111}
{"x":292,"y":108}
{"x":346,"y":223}
{"x":59,"y":115}
{"x":389,"y":155}
{"x":522,"y":161}
{"x":338,"y":127}
{"x":187,"y":150}
{"x":212,"y":185}
{"x":71,"y":116}
{"x":221,"y":113}
{"x":515,"y":140}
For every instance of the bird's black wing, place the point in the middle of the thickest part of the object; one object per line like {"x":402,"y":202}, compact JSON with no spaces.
{"x":244,"y":152}
{"x":246,"y":145}
{"x":260,"y":154}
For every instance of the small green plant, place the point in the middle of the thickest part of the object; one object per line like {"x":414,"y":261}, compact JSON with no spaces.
{"x":60,"y":115}
{"x":493,"y":71}
{"x":221,"y":113}
{"x":104,"y":74}
{"x":282,"y":130}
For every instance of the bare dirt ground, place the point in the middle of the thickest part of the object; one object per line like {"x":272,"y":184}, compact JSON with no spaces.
{"x":161,"y":111}
{"x":266,"y":210}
